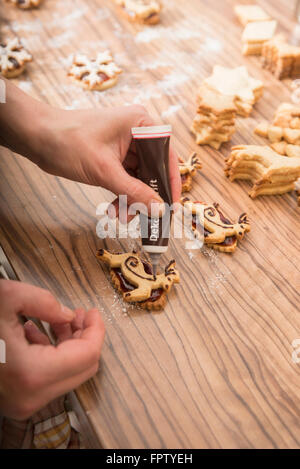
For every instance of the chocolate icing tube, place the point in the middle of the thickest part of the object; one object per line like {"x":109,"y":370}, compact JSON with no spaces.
{"x":152,"y":148}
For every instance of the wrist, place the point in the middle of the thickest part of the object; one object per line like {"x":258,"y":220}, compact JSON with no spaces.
{"x":23,"y":123}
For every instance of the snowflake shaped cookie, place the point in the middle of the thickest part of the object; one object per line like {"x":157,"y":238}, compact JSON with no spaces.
{"x":13,"y":58}
{"x":98,"y":74}
{"x":25,"y":4}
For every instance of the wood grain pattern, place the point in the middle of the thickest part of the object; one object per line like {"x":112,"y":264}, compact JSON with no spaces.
{"x":214,"y":370}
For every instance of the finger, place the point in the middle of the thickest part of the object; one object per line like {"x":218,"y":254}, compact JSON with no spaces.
{"x":73,"y":356}
{"x":62,"y":332}
{"x":78,"y":322}
{"x":69,"y":384}
{"x":175,"y":179}
{"x":136,"y":116}
{"x":29,"y":300}
{"x":122,"y":214}
{"x":121,"y":183}
{"x":34,"y":335}
{"x":65,"y":331}
{"x":77,"y":334}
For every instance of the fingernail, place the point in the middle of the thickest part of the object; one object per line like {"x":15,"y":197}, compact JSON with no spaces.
{"x":156,"y":208}
{"x":77,"y":334}
{"x":29,"y":323}
{"x":67,"y":313}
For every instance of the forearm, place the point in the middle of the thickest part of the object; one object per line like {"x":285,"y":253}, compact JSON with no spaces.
{"x":22,"y":119}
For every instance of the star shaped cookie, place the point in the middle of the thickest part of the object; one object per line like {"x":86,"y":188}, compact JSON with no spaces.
{"x":236,"y":82}
{"x":141,"y":11}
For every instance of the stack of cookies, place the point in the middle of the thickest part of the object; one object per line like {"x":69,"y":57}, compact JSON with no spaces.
{"x":250,"y":13}
{"x":284,"y":132}
{"x":255,"y":35}
{"x":281,"y":58}
{"x":223,"y":95}
{"x":259,"y":28}
{"x":270,"y":172}
{"x":215,"y":119}
{"x":238,"y":84}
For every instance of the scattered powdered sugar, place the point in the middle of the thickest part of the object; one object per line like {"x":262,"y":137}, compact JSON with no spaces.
{"x":60,"y":40}
{"x":31,"y":42}
{"x":171,"y":110}
{"x":182,"y":31}
{"x":102,"y":14}
{"x":25,"y":85}
{"x":212,"y":45}
{"x":149,"y":34}
{"x":75,"y":104}
{"x":145,"y":94}
{"x":221,"y":272}
{"x":168,"y":85}
{"x":150,"y":64}
{"x":28,"y":26}
{"x":70,"y":88}
{"x":67,"y":21}
{"x":191,"y":255}
{"x":92,"y":46}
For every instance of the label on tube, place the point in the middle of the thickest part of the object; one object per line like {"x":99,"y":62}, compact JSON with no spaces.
{"x":152,"y":147}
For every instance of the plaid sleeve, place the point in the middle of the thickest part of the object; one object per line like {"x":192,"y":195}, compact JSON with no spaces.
{"x":50,"y":428}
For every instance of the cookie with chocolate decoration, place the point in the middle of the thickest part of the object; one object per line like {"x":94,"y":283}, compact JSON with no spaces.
{"x":95,"y":74}
{"x":141,"y":11}
{"x":269,"y":172}
{"x":187,"y":170}
{"x":133,"y":277}
{"x":218,"y":231}
{"x":13,"y":58}
{"x":25,"y":4}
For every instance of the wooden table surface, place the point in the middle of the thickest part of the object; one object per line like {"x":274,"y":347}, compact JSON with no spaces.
{"x":215,"y":368}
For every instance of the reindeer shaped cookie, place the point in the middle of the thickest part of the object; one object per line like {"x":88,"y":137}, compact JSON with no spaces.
{"x":187,"y":170}
{"x":142,"y":284}
{"x":219,"y":232}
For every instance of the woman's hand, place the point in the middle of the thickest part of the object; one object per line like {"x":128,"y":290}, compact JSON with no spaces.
{"x":92,"y":146}
{"x":35,"y":371}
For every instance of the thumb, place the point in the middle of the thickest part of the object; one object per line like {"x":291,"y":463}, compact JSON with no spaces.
{"x":31,"y":301}
{"x":137,"y":192}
